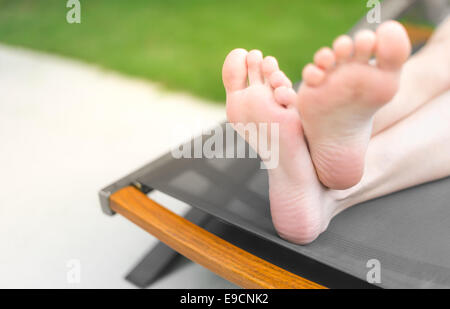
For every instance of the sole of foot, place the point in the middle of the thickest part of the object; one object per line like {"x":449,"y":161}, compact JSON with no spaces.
{"x":259,"y":93}
{"x":340,"y":94}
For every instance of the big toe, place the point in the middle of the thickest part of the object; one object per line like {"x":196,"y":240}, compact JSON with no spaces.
{"x":234,"y":71}
{"x":393,"y":46}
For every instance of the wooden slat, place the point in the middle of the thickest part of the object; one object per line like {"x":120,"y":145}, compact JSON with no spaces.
{"x":202,"y":247}
{"x":418,"y":34}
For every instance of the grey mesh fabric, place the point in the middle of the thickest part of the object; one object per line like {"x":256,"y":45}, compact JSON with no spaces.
{"x":407,"y":232}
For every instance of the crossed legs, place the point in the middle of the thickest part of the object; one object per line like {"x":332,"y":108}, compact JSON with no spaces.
{"x":404,"y":129}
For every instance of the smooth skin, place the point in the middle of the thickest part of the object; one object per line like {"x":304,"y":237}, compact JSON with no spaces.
{"x":340,"y":94}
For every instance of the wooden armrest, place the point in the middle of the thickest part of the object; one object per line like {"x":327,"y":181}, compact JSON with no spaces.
{"x":203,"y":247}
{"x":418,"y":34}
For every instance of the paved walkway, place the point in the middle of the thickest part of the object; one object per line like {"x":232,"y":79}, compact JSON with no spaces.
{"x":66,"y":130}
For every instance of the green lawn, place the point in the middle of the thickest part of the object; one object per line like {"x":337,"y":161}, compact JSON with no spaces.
{"x":179,"y":43}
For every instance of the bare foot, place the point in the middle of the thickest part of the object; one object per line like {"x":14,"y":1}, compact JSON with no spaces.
{"x":259,"y":93}
{"x":340,"y":94}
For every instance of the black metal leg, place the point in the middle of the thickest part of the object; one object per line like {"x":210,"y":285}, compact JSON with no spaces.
{"x":152,"y":266}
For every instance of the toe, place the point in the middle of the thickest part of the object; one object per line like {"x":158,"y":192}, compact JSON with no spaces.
{"x":325,"y":58}
{"x":269,"y":66}
{"x":278,"y":79}
{"x":313,"y":76}
{"x":254,"y":64}
{"x":285,"y":95}
{"x":343,"y":48}
{"x":364,"y":45}
{"x":393,"y":46}
{"x":234,"y":72}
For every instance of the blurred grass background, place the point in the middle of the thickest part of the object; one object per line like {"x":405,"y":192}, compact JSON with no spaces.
{"x":179,"y":43}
